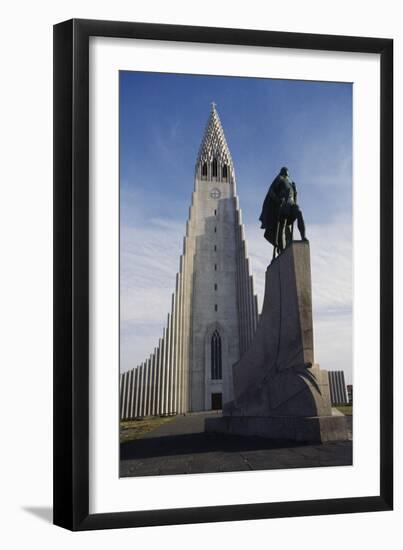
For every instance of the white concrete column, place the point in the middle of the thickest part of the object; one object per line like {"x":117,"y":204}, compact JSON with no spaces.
{"x":127,"y":388}
{"x":128,"y":393}
{"x":167,"y":364}
{"x":162,"y":374}
{"x":171,"y":353}
{"x":176,"y":346}
{"x":251,"y":309}
{"x":256,"y":312}
{"x":151,"y":385}
{"x":145,"y":372}
{"x":241,"y":319}
{"x":141,"y":390}
{"x":131,"y":396}
{"x":189,"y":270}
{"x":182,"y":336}
{"x":132,"y":393}
{"x":122,"y":382}
{"x":242,"y":291}
{"x":136,"y":395}
{"x":186,"y":318}
{"x":123,"y":404}
{"x":154,"y":381}
{"x":248,"y":301}
{"x":185,"y":335}
{"x":159,"y":393}
{"x":247,"y":297}
{"x":157,"y":378}
{"x":147,"y":387}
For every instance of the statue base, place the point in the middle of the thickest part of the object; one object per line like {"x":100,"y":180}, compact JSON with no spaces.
{"x":278,"y":390}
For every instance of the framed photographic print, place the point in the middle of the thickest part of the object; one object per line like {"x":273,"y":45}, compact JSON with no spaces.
{"x":223,"y":267}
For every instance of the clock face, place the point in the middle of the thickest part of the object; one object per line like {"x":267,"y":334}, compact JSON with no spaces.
{"x":215,"y":193}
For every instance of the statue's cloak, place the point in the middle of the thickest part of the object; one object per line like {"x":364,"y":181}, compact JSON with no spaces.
{"x":269,"y":216}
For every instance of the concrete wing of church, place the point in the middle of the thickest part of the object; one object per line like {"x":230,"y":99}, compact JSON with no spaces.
{"x":214,"y":311}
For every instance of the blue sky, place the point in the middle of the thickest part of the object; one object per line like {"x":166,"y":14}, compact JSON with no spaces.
{"x":306,"y":126}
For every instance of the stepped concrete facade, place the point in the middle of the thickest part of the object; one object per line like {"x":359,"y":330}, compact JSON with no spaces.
{"x":214,"y":310}
{"x":279,"y":391}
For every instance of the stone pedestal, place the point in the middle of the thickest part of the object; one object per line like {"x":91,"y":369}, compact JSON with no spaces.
{"x":278,"y":390}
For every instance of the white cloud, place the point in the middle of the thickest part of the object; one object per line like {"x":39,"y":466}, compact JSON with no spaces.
{"x":149,"y":262}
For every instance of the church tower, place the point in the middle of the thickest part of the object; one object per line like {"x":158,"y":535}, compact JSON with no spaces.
{"x":214,"y":314}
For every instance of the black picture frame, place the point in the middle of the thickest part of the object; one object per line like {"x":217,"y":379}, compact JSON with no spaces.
{"x":71,"y":274}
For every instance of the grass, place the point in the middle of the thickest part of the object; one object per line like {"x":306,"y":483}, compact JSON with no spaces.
{"x":345,"y":409}
{"x":133,"y":429}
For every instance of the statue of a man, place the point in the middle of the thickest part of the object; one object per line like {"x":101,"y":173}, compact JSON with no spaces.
{"x":280,"y":211}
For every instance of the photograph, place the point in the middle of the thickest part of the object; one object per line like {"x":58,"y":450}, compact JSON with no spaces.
{"x":235,"y":273}
{"x":202,"y":248}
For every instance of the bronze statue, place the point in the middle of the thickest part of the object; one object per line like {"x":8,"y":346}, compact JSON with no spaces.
{"x":280,"y":211}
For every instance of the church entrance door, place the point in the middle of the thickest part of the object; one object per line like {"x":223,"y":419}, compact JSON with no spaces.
{"x":216,"y":401}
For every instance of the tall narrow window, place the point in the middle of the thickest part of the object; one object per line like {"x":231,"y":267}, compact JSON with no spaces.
{"x":215,"y":286}
{"x":216,"y":358}
{"x":214,"y":168}
{"x":215,"y":307}
{"x":224,"y":171}
{"x":204,"y":169}
{"x":215,"y":248}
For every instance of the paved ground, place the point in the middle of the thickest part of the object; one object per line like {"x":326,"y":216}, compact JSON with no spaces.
{"x":182,"y":447}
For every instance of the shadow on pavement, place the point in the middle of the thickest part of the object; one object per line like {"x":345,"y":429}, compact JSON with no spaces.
{"x":198,"y":443}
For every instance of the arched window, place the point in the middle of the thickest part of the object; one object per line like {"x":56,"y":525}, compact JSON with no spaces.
{"x":216,"y":358}
{"x":204,"y":169}
{"x":214,"y":168}
{"x":224,"y":171}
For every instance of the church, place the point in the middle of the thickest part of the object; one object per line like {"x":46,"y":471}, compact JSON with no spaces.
{"x":214,"y":311}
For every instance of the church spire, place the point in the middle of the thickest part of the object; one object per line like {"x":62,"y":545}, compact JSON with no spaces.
{"x":214,"y":160}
